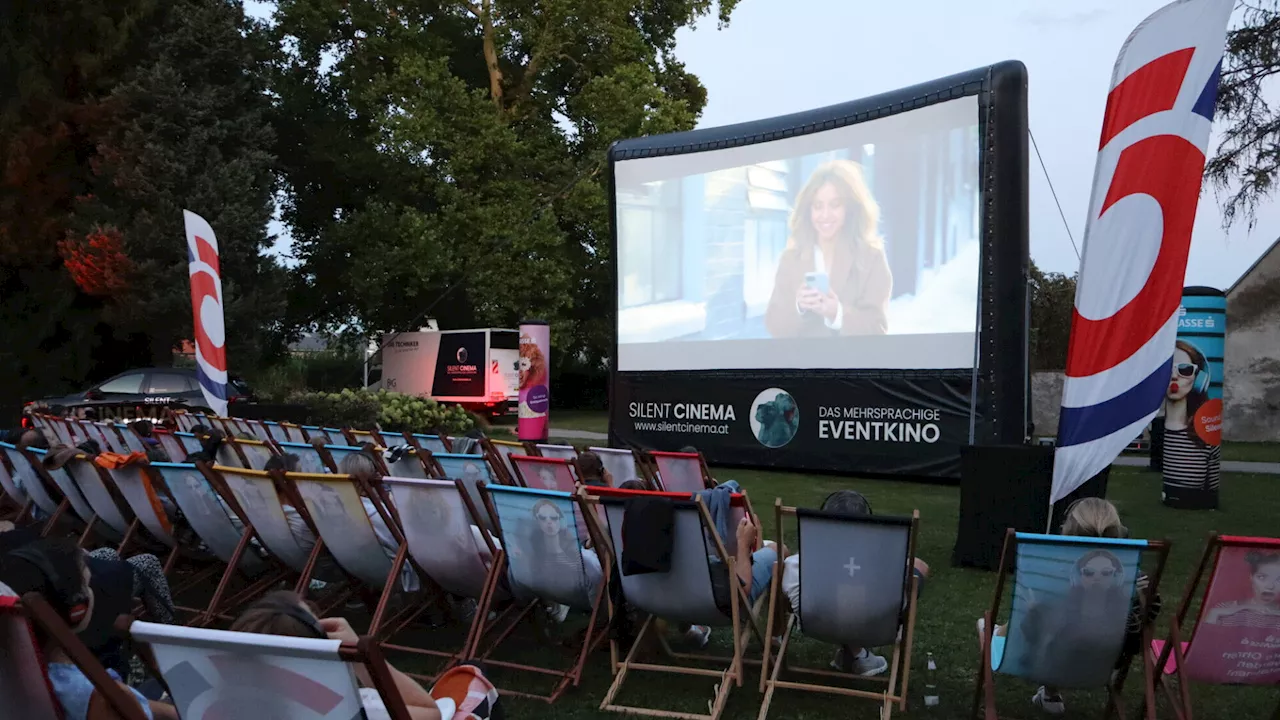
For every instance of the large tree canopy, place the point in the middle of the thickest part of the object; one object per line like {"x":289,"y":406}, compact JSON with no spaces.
{"x":456,"y":152}
{"x":115,"y":115}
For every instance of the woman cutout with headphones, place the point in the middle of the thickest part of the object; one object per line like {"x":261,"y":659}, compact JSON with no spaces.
{"x":1191,"y":467}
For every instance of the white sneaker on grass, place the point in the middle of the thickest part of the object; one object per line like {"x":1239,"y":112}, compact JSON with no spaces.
{"x":1051,"y":704}
{"x":865,"y":663}
{"x":698,"y":635}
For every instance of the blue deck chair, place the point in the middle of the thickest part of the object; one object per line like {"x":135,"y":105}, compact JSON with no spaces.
{"x":171,"y":444}
{"x":857,"y":590}
{"x":31,"y":481}
{"x":544,"y":562}
{"x":17,"y":495}
{"x":471,"y":470}
{"x":433,"y":443}
{"x":310,"y":460}
{"x":684,"y":594}
{"x":1071,"y":602}
{"x":130,"y":438}
{"x":190,"y":443}
{"x":276,"y":431}
{"x":413,"y":463}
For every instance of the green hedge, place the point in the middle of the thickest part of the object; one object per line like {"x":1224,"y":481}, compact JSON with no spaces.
{"x":392,"y":411}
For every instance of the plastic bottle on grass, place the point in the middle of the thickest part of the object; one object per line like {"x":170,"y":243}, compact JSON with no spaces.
{"x":931,"y":684}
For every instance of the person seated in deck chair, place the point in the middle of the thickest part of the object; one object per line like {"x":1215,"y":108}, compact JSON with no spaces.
{"x":57,"y":569}
{"x":361,"y":465}
{"x":284,"y":613}
{"x":593,"y":471}
{"x":1088,"y":517}
{"x":860,"y":661}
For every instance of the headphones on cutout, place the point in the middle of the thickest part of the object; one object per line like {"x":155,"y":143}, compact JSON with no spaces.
{"x":1201,"y":383}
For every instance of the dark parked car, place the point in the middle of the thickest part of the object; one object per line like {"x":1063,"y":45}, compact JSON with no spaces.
{"x":155,"y":387}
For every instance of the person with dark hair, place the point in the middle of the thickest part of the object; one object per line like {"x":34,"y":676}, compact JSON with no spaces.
{"x":591,"y":470}
{"x":1191,"y":466}
{"x":58,"y":570}
{"x":633,"y":484}
{"x":851,"y":503}
{"x":284,"y":613}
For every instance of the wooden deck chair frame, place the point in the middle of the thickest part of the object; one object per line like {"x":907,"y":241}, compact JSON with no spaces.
{"x":491,"y":583}
{"x":895,"y":691}
{"x":376,"y":599}
{"x":40,"y":613}
{"x":498,"y":460}
{"x":1180,"y":701}
{"x":291,"y":496}
{"x":356,"y":437}
{"x":652,"y":456}
{"x":171,"y":444}
{"x":742,"y":617}
{"x":415,"y":439}
{"x":508,"y":623}
{"x":364,"y":653}
{"x":984,"y":696}
{"x":113,"y":496}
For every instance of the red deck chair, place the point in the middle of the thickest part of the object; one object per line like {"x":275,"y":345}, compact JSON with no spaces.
{"x":681,"y":472}
{"x":1235,"y":637}
{"x":24,"y":680}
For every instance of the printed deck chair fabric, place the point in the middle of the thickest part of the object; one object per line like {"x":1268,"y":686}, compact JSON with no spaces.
{"x":219,"y":675}
{"x":131,"y":441}
{"x":439,"y":534}
{"x":339,"y":452}
{"x":471,"y":470}
{"x":409,"y":465}
{"x":1236,"y":636}
{"x":260,"y":431}
{"x":559,"y":452}
{"x":679,"y":472}
{"x":172,"y":445}
{"x":190,"y":443}
{"x":135,"y":486}
{"x":432,"y":443}
{"x":335,"y":506}
{"x":255,"y":493}
{"x":88,"y":478}
{"x":255,"y":452}
{"x":544,"y":551}
{"x":23,"y":683}
{"x":1068,"y":616}
{"x":211,"y":519}
{"x":545,"y":473}
{"x":309,"y":458}
{"x":855,"y":591}
{"x":276,"y":432}
{"x":357,"y":437}
{"x":621,"y":464}
{"x":28,"y":478}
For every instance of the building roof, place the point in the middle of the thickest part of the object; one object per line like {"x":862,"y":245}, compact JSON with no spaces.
{"x":1253,"y":267}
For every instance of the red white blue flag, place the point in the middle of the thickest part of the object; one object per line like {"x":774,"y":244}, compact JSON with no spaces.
{"x":1145,"y":188}
{"x":206,"y":306}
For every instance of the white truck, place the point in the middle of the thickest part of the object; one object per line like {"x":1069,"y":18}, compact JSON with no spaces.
{"x":472,"y":368}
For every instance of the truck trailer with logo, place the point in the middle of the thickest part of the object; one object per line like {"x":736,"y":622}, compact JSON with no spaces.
{"x":472,"y":368}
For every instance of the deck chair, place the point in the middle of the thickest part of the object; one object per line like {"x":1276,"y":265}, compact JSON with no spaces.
{"x":190,"y":443}
{"x":620,"y":463}
{"x":219,"y":674}
{"x":254,"y":454}
{"x":213,"y":517}
{"x":61,"y":428}
{"x":857,"y":590}
{"x":32,"y":483}
{"x":338,"y":452}
{"x":263,"y":507}
{"x":391,"y":438}
{"x":685,"y":594}
{"x":24,"y":680}
{"x":185,"y":420}
{"x":334,"y":503}
{"x":433,"y":443}
{"x":172,"y":446}
{"x":15,"y":494}
{"x":293,"y":432}
{"x":358,"y":437}
{"x":545,"y":473}
{"x":438,"y":517}
{"x":103,"y":434}
{"x":500,"y":452}
{"x":681,"y":472}
{"x":275,"y":431}
{"x":559,"y":452}
{"x":1053,"y":636}
{"x":109,"y":515}
{"x":310,"y":460}
{"x":413,"y":464}
{"x":471,"y":470}
{"x":131,"y":441}
{"x":1231,"y":643}
{"x":79,"y":506}
{"x":544,"y":562}
{"x":134,"y":483}
{"x":260,"y":430}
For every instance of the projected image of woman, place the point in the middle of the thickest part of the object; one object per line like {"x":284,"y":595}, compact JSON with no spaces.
{"x":833,"y":278}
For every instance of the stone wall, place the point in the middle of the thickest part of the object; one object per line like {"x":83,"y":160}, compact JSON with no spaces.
{"x":1251,"y":388}
{"x":1046,"y":398}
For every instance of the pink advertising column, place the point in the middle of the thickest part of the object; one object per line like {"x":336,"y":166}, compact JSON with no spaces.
{"x":535,"y":380}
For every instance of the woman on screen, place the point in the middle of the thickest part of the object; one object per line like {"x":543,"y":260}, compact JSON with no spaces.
{"x":833,"y":278}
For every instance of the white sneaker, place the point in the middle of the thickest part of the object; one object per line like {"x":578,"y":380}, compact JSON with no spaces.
{"x":865,"y":663}
{"x":1051,"y":704}
{"x":698,"y":635}
{"x":557,"y":612}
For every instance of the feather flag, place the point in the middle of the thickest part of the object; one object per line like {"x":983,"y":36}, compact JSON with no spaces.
{"x":1146,"y":185}
{"x":206,"y":307}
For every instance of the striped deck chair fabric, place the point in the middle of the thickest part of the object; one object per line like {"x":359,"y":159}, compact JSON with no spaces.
{"x":620,"y":463}
{"x":217,"y":674}
{"x":309,"y":458}
{"x":336,"y":508}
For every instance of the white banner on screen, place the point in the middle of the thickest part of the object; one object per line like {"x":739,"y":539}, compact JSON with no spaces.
{"x":850,"y":248}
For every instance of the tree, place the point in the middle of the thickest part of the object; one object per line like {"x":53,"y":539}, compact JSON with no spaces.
{"x":455,"y":152}
{"x":105,"y":135}
{"x":1053,"y":297}
{"x":1246,"y":165}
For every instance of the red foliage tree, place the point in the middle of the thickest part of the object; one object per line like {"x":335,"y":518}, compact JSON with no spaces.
{"x":97,"y":262}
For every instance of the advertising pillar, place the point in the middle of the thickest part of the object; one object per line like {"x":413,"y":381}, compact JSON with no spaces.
{"x":535,"y":380}
{"x":1192,"y":451}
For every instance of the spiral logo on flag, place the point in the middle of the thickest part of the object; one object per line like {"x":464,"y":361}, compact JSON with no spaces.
{"x":1146,"y":186}
{"x":206,"y":308}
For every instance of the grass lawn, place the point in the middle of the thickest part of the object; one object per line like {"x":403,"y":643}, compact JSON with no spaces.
{"x":590,"y":420}
{"x":952,"y":600}
{"x":1251,"y":451}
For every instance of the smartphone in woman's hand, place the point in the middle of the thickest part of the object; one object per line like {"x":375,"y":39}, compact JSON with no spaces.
{"x":818,"y":281}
